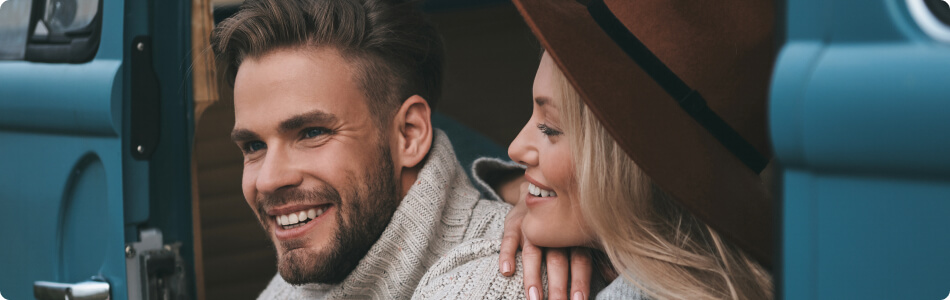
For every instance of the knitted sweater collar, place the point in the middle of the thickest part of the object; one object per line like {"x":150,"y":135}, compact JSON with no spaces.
{"x":429,"y":221}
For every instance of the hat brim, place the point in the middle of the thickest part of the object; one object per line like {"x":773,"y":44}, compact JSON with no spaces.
{"x":678,"y":153}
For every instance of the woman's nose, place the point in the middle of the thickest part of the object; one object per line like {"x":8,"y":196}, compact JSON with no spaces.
{"x":522,"y":150}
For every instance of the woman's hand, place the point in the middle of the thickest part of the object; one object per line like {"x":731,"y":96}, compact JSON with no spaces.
{"x":560,"y":261}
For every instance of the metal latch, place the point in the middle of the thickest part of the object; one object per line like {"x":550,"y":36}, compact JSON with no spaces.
{"x":155,"y":271}
{"x":93,"y":289}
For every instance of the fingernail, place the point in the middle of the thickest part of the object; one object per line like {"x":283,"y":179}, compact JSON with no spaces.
{"x":506,"y":268}
{"x":578,"y":295}
{"x":533,"y":293}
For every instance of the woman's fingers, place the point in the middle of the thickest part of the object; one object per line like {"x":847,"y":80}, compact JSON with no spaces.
{"x":510,"y":241}
{"x":581,"y":268}
{"x":558,"y":270}
{"x":531,"y":259}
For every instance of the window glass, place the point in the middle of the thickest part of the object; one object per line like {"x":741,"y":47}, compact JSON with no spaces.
{"x":14,"y":24}
{"x":66,"y":16}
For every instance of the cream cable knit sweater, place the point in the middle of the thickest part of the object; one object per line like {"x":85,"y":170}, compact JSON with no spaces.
{"x":442,"y":243}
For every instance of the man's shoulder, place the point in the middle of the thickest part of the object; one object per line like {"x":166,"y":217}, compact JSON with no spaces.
{"x":470,"y":271}
{"x":488,"y":220}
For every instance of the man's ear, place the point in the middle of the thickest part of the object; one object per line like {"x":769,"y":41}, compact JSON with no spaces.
{"x":414,"y":137}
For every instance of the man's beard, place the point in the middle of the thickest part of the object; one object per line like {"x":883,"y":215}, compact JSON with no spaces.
{"x":360,"y":222}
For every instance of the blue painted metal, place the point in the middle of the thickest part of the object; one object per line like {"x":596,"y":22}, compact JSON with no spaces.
{"x":71,"y":195}
{"x":170,"y":187}
{"x":62,"y":168}
{"x":72,"y":99}
{"x":858,"y":116}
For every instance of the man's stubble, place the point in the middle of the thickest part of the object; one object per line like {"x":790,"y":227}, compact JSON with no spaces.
{"x":360,"y":223}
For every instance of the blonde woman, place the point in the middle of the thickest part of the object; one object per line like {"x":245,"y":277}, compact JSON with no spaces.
{"x":646,"y":143}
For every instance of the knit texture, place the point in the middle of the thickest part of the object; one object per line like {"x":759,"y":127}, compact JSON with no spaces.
{"x":619,"y":289}
{"x":440,"y":227}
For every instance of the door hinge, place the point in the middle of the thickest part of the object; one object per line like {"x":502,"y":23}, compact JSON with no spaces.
{"x":156,"y":271}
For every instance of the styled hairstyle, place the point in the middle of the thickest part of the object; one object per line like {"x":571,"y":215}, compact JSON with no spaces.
{"x":649,"y":239}
{"x":394,"y":49}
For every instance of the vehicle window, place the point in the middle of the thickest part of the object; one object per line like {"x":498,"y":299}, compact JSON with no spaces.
{"x":14,"y":25}
{"x":50,"y":30}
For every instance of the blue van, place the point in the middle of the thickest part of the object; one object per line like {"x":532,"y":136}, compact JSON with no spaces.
{"x":117,"y":180}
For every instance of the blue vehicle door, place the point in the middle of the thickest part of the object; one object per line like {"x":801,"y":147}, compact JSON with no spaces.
{"x":94,"y":150}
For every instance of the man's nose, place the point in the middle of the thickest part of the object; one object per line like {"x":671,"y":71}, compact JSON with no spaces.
{"x":522,"y":150}
{"x":278,"y":171}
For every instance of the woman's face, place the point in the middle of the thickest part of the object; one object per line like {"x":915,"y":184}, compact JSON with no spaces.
{"x":554,"y":218}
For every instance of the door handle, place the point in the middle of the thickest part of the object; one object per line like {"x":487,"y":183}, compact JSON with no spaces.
{"x":86,"y":290}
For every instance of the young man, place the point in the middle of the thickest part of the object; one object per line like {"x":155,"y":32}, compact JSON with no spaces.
{"x":360,"y":195}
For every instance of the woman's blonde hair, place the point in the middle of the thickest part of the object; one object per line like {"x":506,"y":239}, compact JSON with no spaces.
{"x":658,"y":246}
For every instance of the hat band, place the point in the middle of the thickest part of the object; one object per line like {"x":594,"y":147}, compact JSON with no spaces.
{"x":689,"y":99}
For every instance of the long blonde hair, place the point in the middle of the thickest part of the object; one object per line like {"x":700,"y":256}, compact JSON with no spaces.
{"x":651,"y":241}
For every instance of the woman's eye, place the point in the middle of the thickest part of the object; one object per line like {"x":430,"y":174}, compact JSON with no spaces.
{"x":314,"y":132}
{"x":548,"y":130}
{"x":251,"y":147}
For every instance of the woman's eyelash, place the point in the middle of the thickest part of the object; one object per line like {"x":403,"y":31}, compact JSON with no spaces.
{"x":548,"y":130}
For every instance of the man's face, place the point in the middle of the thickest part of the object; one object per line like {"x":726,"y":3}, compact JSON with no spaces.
{"x":317,"y":169}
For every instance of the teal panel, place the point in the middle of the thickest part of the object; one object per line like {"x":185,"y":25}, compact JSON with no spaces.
{"x":880,"y":117}
{"x":792,"y":74}
{"x":799,"y":251}
{"x":857,"y":21}
{"x":856,"y":237}
{"x":858,"y":114}
{"x":35,"y":175}
{"x":78,"y":99}
{"x":64,"y":174}
{"x":83,"y":230}
{"x":880,"y":238}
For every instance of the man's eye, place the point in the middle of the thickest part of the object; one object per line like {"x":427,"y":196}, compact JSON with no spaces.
{"x":314,"y":132}
{"x":253,"y":146}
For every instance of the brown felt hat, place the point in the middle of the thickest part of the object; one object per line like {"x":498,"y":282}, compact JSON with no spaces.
{"x":681,"y":86}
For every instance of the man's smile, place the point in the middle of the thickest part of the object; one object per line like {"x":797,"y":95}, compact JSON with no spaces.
{"x":294,"y":221}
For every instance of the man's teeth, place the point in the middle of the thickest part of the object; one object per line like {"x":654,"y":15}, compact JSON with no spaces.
{"x":299,"y":217}
{"x":538,"y":192}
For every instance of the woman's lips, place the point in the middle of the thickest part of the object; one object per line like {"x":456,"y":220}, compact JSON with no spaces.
{"x":532,"y":200}
{"x":538,"y":193}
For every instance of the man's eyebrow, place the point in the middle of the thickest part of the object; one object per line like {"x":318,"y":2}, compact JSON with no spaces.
{"x":239,"y":134}
{"x":301,"y":120}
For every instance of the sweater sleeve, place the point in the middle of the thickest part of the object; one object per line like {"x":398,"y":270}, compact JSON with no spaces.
{"x":470,"y":271}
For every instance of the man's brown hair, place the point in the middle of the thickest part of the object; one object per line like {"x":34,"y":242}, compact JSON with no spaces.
{"x":395,"y":50}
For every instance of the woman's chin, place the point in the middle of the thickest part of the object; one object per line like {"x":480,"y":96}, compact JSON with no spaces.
{"x":552,"y":234}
